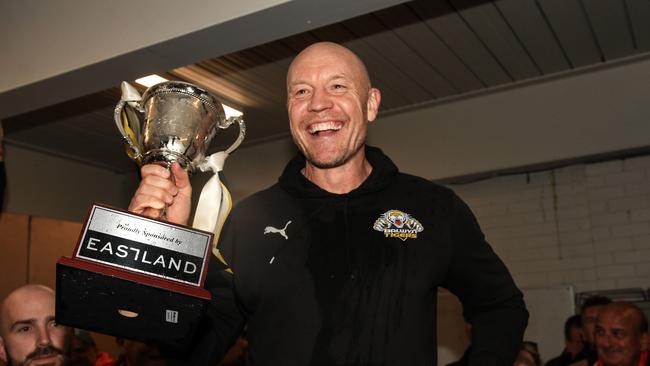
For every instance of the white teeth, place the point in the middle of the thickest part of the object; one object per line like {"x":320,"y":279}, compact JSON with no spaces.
{"x":324,"y":126}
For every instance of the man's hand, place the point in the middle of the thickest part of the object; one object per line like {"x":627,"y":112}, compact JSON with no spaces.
{"x":157,"y":190}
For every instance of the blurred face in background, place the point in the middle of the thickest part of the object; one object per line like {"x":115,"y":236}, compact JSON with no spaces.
{"x":618,"y":336}
{"x":30,"y":336}
{"x":576,"y":341}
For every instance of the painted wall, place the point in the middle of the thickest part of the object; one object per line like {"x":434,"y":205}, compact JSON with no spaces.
{"x":49,"y":186}
{"x":584,"y":225}
{"x":596,"y":112}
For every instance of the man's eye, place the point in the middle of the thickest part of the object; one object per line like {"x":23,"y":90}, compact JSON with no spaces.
{"x":24,"y":329}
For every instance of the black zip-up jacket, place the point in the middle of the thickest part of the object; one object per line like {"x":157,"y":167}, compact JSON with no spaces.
{"x":352,"y":279}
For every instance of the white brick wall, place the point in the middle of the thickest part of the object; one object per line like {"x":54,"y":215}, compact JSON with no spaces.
{"x":587,"y":225}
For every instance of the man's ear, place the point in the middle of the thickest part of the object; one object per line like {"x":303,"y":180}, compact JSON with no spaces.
{"x":374,"y":99}
{"x":3,"y":352}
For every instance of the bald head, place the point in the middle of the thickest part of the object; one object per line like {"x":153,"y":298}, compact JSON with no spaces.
{"x":324,"y":51}
{"x":19,"y":297}
{"x":621,"y":334}
{"x":28,"y":330}
{"x":628,"y":312}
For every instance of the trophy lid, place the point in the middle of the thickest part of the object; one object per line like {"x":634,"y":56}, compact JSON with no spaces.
{"x":181,"y":87}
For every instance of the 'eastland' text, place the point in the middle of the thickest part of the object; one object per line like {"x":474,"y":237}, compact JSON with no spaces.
{"x":125,"y":251}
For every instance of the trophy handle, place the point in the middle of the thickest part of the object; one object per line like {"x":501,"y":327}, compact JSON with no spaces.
{"x":129,"y":126}
{"x":242,"y":132}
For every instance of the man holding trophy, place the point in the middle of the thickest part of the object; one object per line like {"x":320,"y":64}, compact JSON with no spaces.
{"x":339,"y":262}
{"x":136,"y":277}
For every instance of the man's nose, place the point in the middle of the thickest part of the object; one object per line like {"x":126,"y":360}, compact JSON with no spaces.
{"x":43,"y":336}
{"x":320,"y":100}
{"x":606,"y":340}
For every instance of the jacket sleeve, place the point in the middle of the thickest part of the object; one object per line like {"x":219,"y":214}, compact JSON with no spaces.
{"x":223,"y":321}
{"x":492,"y":303}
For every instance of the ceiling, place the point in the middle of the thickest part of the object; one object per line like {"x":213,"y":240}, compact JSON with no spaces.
{"x":418,"y":53}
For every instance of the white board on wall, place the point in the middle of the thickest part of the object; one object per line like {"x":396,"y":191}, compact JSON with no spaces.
{"x":548,"y":308}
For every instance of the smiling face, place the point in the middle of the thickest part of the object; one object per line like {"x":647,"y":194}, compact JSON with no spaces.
{"x":618,"y":335}
{"x":330,"y":102}
{"x":30,"y":336}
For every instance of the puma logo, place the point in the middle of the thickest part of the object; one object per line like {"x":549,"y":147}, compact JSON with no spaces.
{"x":271,"y":229}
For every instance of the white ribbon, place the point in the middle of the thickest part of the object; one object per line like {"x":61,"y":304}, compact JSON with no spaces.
{"x":215,"y":201}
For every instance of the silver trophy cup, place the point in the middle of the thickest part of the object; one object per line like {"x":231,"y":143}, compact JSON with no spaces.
{"x":180,"y":120}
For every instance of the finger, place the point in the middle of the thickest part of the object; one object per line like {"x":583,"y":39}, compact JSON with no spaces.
{"x":141,"y":202}
{"x":154,"y":170}
{"x":164,"y":194}
{"x":156,"y":181}
{"x":180,"y":175}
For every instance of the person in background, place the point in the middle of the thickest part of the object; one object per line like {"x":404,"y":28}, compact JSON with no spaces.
{"x":574,"y":345}
{"x":589,"y":314}
{"x":29,"y":335}
{"x":621,"y":335}
{"x":528,"y":355}
{"x":84,"y":352}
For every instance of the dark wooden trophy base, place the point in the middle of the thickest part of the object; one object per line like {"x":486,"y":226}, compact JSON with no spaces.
{"x":129,"y":304}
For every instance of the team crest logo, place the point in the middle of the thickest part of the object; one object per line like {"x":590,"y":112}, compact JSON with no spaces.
{"x":398,"y":224}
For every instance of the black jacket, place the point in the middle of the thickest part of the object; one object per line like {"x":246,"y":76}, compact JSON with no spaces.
{"x":354,"y":282}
